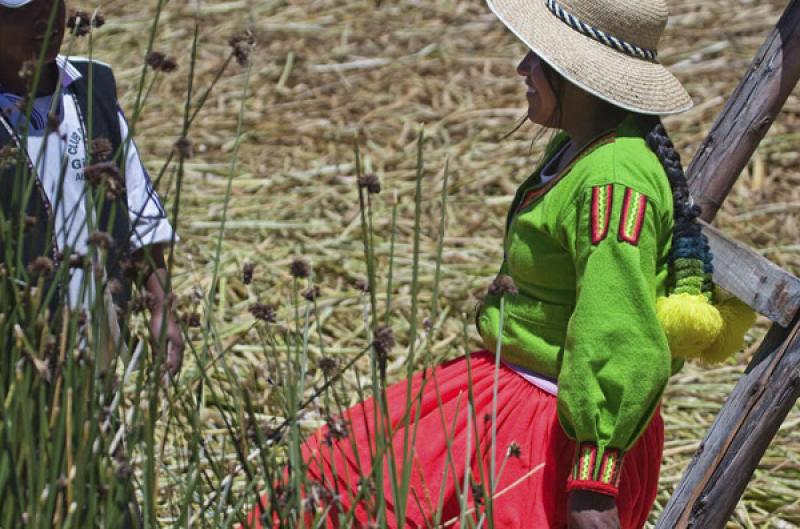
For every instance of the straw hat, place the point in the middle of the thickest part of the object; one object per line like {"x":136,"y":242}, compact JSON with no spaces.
{"x":606,"y":47}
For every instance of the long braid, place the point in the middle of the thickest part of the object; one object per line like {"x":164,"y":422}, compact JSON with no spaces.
{"x":691,"y":261}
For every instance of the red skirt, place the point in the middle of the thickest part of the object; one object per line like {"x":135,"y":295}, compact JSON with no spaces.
{"x":533,"y":455}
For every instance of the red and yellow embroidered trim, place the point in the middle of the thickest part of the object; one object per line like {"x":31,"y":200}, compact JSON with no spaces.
{"x":634,"y":206}
{"x":602,"y":200}
{"x":607,"y":471}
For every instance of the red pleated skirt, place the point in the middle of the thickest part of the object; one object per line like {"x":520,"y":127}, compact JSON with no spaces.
{"x":448,"y":439}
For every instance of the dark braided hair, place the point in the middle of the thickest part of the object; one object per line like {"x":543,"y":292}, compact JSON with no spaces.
{"x":691,"y":261}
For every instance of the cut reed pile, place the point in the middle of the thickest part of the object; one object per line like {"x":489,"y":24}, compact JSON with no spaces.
{"x":329,"y":74}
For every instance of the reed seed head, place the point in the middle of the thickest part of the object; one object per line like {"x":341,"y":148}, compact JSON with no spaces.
{"x":77,"y":261}
{"x":247,"y":273}
{"x":383,"y":341}
{"x":327,"y":365}
{"x":184,"y":147}
{"x":300,"y":269}
{"x":371,"y":182}
{"x":101,"y":240}
{"x":154,"y":59}
{"x":478,"y":494}
{"x":503,"y":284}
{"x":80,"y":23}
{"x":366,"y":483}
{"x":264,"y":312}
{"x":123,"y":470}
{"x":337,"y":430}
{"x":242,"y":45}
{"x":106,"y":173}
{"x":101,"y":149}
{"x":312,"y":293}
{"x":192,"y":320}
{"x":141,"y":302}
{"x":320,"y":493}
{"x":41,"y":267}
{"x":161,"y":62}
{"x":362,"y":285}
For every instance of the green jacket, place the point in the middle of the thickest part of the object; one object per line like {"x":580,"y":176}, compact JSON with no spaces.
{"x":588,"y":252}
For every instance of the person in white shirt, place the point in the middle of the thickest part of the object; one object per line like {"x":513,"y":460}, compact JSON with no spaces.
{"x":77,"y":134}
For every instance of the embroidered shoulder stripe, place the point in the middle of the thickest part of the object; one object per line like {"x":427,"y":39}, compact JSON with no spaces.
{"x":602,"y":198}
{"x":634,"y":206}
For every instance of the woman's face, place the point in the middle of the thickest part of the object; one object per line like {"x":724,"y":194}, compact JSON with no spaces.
{"x":542,"y":98}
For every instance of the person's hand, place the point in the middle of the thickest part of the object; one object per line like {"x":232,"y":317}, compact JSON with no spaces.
{"x":591,"y":510}
{"x":166,"y":337}
{"x":172,"y":336}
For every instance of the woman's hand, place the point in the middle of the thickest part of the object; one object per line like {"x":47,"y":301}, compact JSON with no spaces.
{"x":591,"y":510}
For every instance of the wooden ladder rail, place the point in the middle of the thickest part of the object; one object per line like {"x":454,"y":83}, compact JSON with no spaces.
{"x":718,"y":474}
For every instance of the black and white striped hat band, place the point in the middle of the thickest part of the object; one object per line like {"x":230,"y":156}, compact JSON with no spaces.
{"x":600,"y":36}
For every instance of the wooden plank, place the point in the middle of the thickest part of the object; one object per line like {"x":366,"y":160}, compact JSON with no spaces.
{"x":764,"y":286}
{"x":723,"y":465}
{"x":748,"y":114}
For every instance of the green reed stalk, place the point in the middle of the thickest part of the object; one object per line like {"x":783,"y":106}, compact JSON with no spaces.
{"x":493,"y":456}
{"x":440,"y":242}
{"x":367,"y":238}
{"x":401,"y":495}
{"x":390,"y":273}
{"x":139,"y":104}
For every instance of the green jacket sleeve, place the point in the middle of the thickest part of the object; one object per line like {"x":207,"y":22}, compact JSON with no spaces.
{"x":616,"y":361}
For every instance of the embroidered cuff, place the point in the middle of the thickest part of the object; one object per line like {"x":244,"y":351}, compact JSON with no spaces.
{"x":596,"y":474}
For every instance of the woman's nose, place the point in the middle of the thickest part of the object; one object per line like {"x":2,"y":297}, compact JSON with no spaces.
{"x":525,"y":66}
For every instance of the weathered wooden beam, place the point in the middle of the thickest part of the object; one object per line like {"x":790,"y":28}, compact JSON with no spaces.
{"x":724,"y":463}
{"x":720,"y":470}
{"x":764,"y":286}
{"x":748,"y":114}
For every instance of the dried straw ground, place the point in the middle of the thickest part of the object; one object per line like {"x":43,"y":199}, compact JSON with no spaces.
{"x":328,"y":72}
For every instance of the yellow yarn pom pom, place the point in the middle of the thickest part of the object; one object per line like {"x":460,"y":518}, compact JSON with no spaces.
{"x":737,"y":319}
{"x":692,"y":324}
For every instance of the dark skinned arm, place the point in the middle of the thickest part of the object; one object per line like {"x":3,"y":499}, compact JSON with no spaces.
{"x":165,"y":333}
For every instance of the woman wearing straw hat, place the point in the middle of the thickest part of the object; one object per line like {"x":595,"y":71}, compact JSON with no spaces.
{"x":604,"y":290}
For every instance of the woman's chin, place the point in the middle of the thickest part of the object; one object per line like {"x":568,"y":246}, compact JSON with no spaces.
{"x":536,"y":118}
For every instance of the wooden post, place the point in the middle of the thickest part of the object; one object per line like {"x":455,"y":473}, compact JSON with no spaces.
{"x":723,"y":465}
{"x":764,"y":286}
{"x":720,"y":470}
{"x":748,"y":114}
